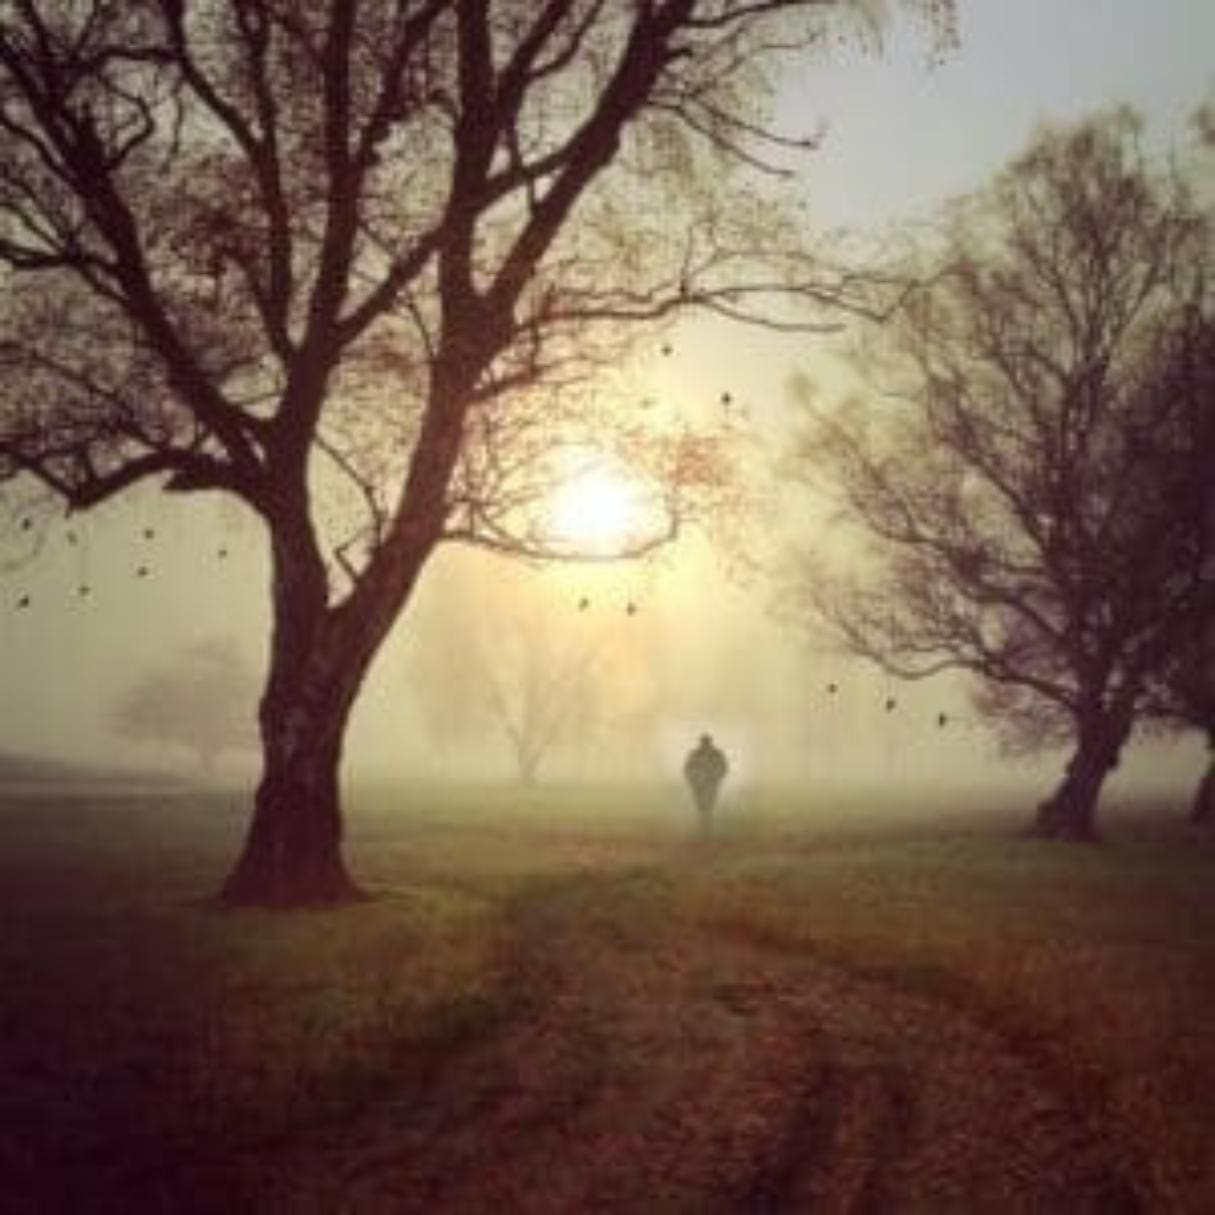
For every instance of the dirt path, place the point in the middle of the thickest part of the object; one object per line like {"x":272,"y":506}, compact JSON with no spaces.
{"x":652,"y":1066}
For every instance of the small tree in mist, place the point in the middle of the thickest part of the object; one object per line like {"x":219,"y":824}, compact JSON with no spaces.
{"x":534,"y":668}
{"x":355,"y":264}
{"x":541,"y":695}
{"x":204,"y":701}
{"x":1035,"y":479}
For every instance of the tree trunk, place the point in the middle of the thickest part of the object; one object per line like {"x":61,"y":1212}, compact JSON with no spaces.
{"x":527,"y":761}
{"x":1070,"y":813}
{"x":1202,"y":812}
{"x":292,"y":855}
{"x":293,"y":851}
{"x":206,"y":762}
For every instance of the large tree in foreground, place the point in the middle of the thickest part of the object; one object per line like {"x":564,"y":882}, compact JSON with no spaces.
{"x":353,"y":263}
{"x":1036,"y":480}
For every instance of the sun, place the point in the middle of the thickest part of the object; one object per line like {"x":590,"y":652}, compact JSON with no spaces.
{"x":598,"y":511}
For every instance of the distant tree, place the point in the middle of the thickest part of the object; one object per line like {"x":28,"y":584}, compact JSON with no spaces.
{"x":1035,"y":479}
{"x":356,"y":264}
{"x":532,"y":668}
{"x":204,"y":701}
{"x":540,"y":696}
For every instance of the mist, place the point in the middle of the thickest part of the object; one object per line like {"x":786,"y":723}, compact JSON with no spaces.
{"x":701,"y":651}
{"x":452,"y":459}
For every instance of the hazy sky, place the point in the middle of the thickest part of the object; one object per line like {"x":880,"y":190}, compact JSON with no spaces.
{"x":902,"y":136}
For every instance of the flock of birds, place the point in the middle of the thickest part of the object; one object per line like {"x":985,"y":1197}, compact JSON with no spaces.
{"x":84,"y":588}
{"x":891,"y":705}
{"x":630,"y":608}
{"x":584,"y":603}
{"x":143,"y":570}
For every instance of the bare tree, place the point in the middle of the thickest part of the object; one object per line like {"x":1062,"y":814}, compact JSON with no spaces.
{"x":204,"y":701}
{"x":540,"y":667}
{"x":1035,"y":482}
{"x":540,"y":695}
{"x":1182,"y":688}
{"x":353,"y":264}
{"x":1184,"y":692}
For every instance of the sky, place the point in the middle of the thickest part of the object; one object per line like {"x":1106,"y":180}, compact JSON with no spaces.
{"x":903,"y":134}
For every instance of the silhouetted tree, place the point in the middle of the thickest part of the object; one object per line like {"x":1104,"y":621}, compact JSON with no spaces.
{"x":204,"y":701}
{"x":1182,"y":688}
{"x":350,"y":262}
{"x":1036,"y":482}
{"x":1186,"y":700}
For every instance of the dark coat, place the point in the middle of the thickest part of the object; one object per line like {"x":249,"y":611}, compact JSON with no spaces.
{"x":705,"y":766}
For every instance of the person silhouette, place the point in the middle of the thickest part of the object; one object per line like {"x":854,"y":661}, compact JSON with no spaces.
{"x":705,"y":768}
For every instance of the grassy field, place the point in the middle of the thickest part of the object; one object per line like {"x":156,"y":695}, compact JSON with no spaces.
{"x":560,"y":1001}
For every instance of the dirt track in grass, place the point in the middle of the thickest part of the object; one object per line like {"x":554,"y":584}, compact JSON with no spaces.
{"x":649,"y":1064}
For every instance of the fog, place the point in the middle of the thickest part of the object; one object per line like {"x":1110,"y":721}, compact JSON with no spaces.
{"x":701,"y":650}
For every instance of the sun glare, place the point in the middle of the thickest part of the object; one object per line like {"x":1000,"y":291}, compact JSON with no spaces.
{"x":598,"y":511}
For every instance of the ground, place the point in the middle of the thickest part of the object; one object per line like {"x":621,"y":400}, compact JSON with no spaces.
{"x":563,"y":1001}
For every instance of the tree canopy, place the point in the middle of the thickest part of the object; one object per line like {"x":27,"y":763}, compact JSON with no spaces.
{"x":253,"y":237}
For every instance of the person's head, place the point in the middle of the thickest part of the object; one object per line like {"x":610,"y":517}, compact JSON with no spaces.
{"x":706,"y":740}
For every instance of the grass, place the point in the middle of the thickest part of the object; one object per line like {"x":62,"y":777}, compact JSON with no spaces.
{"x":158,"y":1054}
{"x":1101,"y":961}
{"x":138,"y":1023}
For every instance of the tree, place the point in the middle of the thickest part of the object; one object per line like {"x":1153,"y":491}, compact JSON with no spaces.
{"x":548,"y":664}
{"x":539,"y":695}
{"x":354,"y":263}
{"x":1185,"y":691}
{"x":1182,"y":689}
{"x":204,"y":701}
{"x":1036,"y":488}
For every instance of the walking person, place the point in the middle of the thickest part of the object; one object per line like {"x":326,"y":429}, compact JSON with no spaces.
{"x":705,"y":769}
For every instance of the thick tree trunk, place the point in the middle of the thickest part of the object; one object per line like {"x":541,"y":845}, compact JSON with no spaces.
{"x":292,"y":855}
{"x":293,"y":851}
{"x":1070,"y":813}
